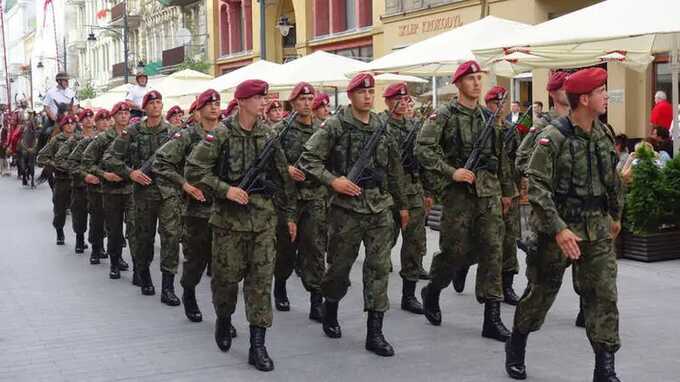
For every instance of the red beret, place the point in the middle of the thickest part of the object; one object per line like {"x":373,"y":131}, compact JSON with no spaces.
{"x":585,"y":81}
{"x":67,"y":119}
{"x":192,"y":108}
{"x":230,"y":108}
{"x":301,"y":88}
{"x":150,"y":96}
{"x":250,"y":88}
{"x":102,"y":114}
{"x":397,"y":89}
{"x":85,"y":113}
{"x":210,"y":95}
{"x":468,"y":67}
{"x":361,"y":81}
{"x":120,"y":106}
{"x":173,"y":110}
{"x":271,"y":105}
{"x":495,"y":94}
{"x":321,"y":99}
{"x":556,"y":80}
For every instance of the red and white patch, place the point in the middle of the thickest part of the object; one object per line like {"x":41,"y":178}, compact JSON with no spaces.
{"x":533,"y":130}
{"x":177,"y":135}
{"x":433,"y":116}
{"x":544,"y":141}
{"x":209,"y":137}
{"x":124,"y":132}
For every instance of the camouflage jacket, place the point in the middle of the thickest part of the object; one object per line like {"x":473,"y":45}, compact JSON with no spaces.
{"x":445,"y":143}
{"x":573,"y":181}
{"x":292,"y":144}
{"x":169,"y":168}
{"x":512,"y":141}
{"x":47,"y":157}
{"x":335,"y":147}
{"x":221,"y":160}
{"x":526,"y":148}
{"x":74,"y":162}
{"x":135,"y":146}
{"x":92,"y":162}
{"x":413,"y":187}
{"x":62,"y":158}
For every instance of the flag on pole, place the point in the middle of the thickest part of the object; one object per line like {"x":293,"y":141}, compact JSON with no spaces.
{"x":45,"y":4}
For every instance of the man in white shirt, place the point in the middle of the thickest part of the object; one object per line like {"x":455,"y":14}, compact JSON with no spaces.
{"x":514,"y":115}
{"x":136,"y":93}
{"x":59,"y":97}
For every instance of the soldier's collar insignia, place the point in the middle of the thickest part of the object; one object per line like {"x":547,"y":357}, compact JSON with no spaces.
{"x":124,"y":132}
{"x":209,"y":137}
{"x":177,"y":135}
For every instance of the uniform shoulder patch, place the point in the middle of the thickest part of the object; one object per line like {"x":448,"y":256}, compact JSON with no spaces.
{"x":177,"y":135}
{"x":544,"y":141}
{"x":433,"y":116}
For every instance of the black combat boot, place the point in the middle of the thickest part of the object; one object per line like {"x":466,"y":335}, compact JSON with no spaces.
{"x":509,"y":296}
{"x":604,"y":367}
{"x":281,"y":296}
{"x":515,"y":349}
{"x":315,"y":307}
{"x":430,"y":296}
{"x":375,"y":341}
{"x":123,"y":265}
{"x":168,"y":296}
{"x":136,"y":274}
{"x":459,"y":277}
{"x":102,"y":250}
{"x":493,"y":325}
{"x":60,"y":236}
{"x":222,"y":332}
{"x":580,"y":318}
{"x":330,"y":319}
{"x":95,"y":254}
{"x":80,"y":243}
{"x":257,"y":355}
{"x":147,"y":284}
{"x":409,"y":302}
{"x":114,"y":272}
{"x":191,"y":306}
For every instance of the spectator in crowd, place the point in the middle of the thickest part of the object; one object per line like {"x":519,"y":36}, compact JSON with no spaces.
{"x":632,"y":161}
{"x":661,"y":140}
{"x":621,"y":145}
{"x":515,"y":112}
{"x":662,"y":113}
{"x":538,"y":108}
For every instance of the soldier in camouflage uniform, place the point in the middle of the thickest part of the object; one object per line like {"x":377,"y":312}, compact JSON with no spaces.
{"x":414,"y":241}
{"x":473,"y":201}
{"x":577,"y":200}
{"x":117,"y":202}
{"x":197,"y":232}
{"x":91,"y":183}
{"x":174,"y":117}
{"x":243,"y":223}
{"x":61,"y":193}
{"x":359,"y":212}
{"x":130,"y":157}
{"x":273,"y":112}
{"x":321,"y":107}
{"x":311,"y":218}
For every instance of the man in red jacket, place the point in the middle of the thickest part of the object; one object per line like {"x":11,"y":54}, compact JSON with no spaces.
{"x":662,"y":113}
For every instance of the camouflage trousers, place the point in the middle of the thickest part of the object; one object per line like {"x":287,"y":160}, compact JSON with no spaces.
{"x":511,"y":221}
{"x":247,"y":256}
{"x":594,"y":273}
{"x":95,"y":206}
{"x":196,"y":247}
{"x":79,"y":209}
{"x":119,"y":208}
{"x":413,"y":242}
{"x":347,"y":231}
{"x":152,"y":214}
{"x":471,"y":231}
{"x":61,"y":200}
{"x":310,"y":245}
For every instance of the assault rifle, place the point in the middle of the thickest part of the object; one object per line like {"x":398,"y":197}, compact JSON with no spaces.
{"x":408,"y":159}
{"x":474,"y":160}
{"x":356,"y":172}
{"x":257,"y":169}
{"x":146,"y":166}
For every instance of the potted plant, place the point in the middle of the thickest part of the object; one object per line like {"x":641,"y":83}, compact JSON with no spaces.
{"x":652,"y":209}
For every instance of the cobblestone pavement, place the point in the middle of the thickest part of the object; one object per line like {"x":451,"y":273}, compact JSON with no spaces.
{"x":64,"y":320}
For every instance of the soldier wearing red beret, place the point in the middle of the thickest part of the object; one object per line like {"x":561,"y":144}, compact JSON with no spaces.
{"x":310,"y":248}
{"x":481,"y":194}
{"x":361,"y":207}
{"x":577,"y":205}
{"x":231,"y":108}
{"x":321,"y":106}
{"x":174,"y":116}
{"x":273,"y":112}
{"x":413,"y":247}
{"x":130,"y":157}
{"x":243,"y":217}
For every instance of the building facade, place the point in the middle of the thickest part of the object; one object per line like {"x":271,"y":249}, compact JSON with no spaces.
{"x":20,"y":27}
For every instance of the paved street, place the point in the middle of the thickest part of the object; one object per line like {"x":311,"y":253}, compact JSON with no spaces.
{"x":64,"y":320}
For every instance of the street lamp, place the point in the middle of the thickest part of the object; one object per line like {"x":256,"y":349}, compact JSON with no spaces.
{"x":91,"y":38}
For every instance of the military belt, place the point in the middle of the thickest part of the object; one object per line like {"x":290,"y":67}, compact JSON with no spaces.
{"x":588,"y":203}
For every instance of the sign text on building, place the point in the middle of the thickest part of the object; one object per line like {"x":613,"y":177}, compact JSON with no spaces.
{"x":436,"y":24}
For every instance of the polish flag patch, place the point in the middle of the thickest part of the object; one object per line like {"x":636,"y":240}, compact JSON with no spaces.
{"x":544,"y":141}
{"x":209,"y":137}
{"x":177,"y":135}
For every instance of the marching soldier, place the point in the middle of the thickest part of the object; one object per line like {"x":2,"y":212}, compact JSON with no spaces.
{"x":359,"y":212}
{"x":311,"y":211}
{"x":321,"y":107}
{"x":243,"y":220}
{"x":174,"y":117}
{"x":232,"y":108}
{"x":473,"y":200}
{"x":194,"y":116}
{"x":577,"y":201}
{"x":117,"y":202}
{"x":92,"y":182}
{"x":197,"y":232}
{"x":273,"y":112}
{"x":413,"y":247}
{"x":61,"y":193}
{"x":130,"y":157}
